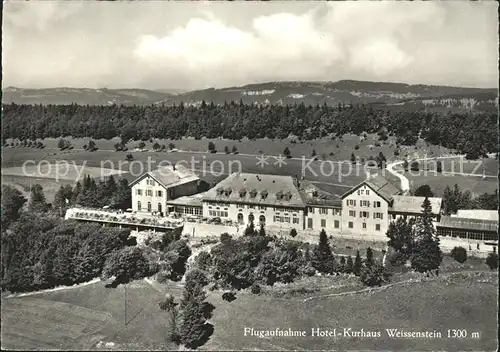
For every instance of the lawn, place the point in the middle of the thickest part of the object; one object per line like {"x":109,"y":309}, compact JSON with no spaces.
{"x":477,"y":185}
{"x":435,"y":305}
{"x":88,"y":315}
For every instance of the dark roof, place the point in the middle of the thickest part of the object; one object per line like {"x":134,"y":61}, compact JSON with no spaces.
{"x":468,"y":224}
{"x":312,"y":195}
{"x":383,"y":186}
{"x":256,"y":189}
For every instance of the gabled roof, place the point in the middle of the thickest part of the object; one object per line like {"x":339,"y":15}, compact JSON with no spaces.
{"x":412,"y":204}
{"x":169,"y":176}
{"x":313,"y":196}
{"x":257,"y":189}
{"x":468,"y":224}
{"x":381,"y":185}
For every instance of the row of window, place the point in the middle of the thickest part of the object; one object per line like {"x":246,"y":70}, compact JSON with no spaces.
{"x":286,"y":219}
{"x":149,"y":193}
{"x":362,"y":192}
{"x":364,"y":203}
{"x":363,"y":226}
{"x":149,"y":207}
{"x":218,"y":213}
{"x":366,"y":214}
{"x":188,"y":210}
{"x":323,"y":211}
{"x":150,"y":182}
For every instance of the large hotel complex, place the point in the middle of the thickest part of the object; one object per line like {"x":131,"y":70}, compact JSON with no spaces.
{"x":285,"y":202}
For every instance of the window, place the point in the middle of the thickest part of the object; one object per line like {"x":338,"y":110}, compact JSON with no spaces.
{"x":352,"y":213}
{"x":159,"y":207}
{"x":336,"y":211}
{"x":295,"y":220}
{"x":323,"y":223}
{"x":139,"y":205}
{"x":351,"y":224}
{"x":365,"y":203}
{"x":393,"y":216}
{"x":310,"y":223}
{"x":261,"y":207}
{"x":286,"y":219}
{"x":378,"y":215}
{"x":159,"y":193}
{"x":364,"y":225}
{"x":149,"y":193}
{"x":351,"y":202}
{"x":376,"y":204}
{"x":377,"y":227}
{"x":251,"y":206}
{"x":336,"y":224}
{"x":310,"y":210}
{"x":364,"y":214}
{"x":323,"y":210}
{"x":138,"y":192}
{"x":367,"y":192}
{"x":149,"y":206}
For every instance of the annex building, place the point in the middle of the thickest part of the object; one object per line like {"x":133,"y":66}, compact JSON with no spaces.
{"x":152,"y":190}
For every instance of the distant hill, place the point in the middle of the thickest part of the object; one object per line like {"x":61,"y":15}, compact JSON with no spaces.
{"x":392,"y":95}
{"x":82,"y":96}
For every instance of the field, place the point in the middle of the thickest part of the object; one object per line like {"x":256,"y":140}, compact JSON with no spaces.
{"x":476,"y":184}
{"x":336,"y":174}
{"x":82,"y":317}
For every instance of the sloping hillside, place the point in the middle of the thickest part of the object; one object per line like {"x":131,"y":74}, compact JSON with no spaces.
{"x":82,"y":96}
{"x":391,"y":95}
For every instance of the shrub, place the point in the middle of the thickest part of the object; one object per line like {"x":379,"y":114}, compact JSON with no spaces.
{"x":293,"y":233}
{"x":225,"y":237}
{"x":256,"y":289}
{"x":375,"y":275}
{"x":396,"y":258}
{"x":492,"y":261}
{"x":459,"y":254}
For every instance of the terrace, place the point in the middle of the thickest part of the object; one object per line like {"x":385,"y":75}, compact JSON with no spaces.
{"x":124,"y":219}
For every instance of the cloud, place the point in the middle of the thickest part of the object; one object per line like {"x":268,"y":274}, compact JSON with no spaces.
{"x":192,"y":45}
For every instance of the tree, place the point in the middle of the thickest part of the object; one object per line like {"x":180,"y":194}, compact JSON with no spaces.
{"x":369,"y":257}
{"x":357,"y":264}
{"x":156,"y":146}
{"x":91,"y":146}
{"x":293,"y":233}
{"x":171,"y":145}
{"x":405,"y":165}
{"x":211,"y":147}
{"x":492,"y":261}
{"x":459,"y":254}
{"x":439,"y":166}
{"x":61,"y":144}
{"x":414,"y":166}
{"x":12,"y":203}
{"x":235,"y":150}
{"x":126,"y":265}
{"x":226,"y":149}
{"x":375,"y":275}
{"x":349,"y":266}
{"x":323,"y":260}
{"x":353,"y":158}
{"x":313,"y":154}
{"x":426,"y":254}
{"x":129,"y":157}
{"x":194,"y":329}
{"x":169,"y":305}
{"x":287,"y":153}
{"x":401,"y":236}
{"x":424,"y":191}
{"x":141,"y":145}
{"x":450,"y":205}
{"x":37,"y":202}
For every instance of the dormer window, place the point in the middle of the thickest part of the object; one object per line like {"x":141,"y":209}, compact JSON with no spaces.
{"x":228,"y":191}
{"x":220,"y":191}
{"x":315,"y":193}
{"x":279,"y":195}
{"x":288,"y":195}
{"x":243,"y":193}
{"x":253,"y":193}
{"x":263,"y":194}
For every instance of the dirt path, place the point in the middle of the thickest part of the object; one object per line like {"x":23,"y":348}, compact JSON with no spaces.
{"x":58,"y":288}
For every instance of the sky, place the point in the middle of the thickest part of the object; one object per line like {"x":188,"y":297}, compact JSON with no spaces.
{"x":195,"y":45}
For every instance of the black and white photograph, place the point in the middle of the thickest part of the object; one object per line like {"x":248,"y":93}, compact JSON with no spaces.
{"x":249,"y":175}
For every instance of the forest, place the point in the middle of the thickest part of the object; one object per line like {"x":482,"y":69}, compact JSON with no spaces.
{"x":471,"y":133}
